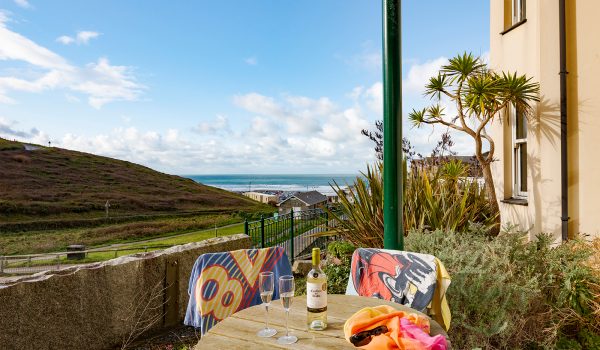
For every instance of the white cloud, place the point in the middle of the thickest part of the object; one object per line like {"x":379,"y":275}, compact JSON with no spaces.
{"x":81,"y":38}
{"x":100,"y":81}
{"x":419,"y":74}
{"x":220,"y":124}
{"x":272,"y":138}
{"x":65,"y":39}
{"x":23,"y":3}
{"x":85,"y":36}
{"x":105,"y":83}
{"x":9,"y":130}
{"x":72,"y":98}
{"x":18,"y":48}
{"x":251,"y":61}
{"x":257,"y":103}
{"x":369,"y":58}
{"x":374,"y":97}
{"x":313,"y":129}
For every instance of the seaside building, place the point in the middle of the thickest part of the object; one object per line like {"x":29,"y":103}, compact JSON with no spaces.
{"x":266,"y":197}
{"x":529,"y":174}
{"x":302,"y":201}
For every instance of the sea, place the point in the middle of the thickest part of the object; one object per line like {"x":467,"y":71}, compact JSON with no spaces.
{"x":285,"y":183}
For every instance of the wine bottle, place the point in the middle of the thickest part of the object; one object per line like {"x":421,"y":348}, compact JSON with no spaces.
{"x":316,"y":294}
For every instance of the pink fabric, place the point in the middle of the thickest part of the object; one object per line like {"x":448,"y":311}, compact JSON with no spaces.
{"x":412,"y":331}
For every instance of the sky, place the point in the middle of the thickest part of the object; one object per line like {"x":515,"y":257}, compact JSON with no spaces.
{"x":221,"y":87}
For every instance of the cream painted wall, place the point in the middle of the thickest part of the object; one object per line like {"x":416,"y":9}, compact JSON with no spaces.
{"x":584,"y":95}
{"x":533,"y":49}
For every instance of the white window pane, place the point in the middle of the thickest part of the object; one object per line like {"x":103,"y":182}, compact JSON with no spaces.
{"x":523,"y":167}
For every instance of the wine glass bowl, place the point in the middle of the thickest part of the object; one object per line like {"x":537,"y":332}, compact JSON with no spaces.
{"x":287,"y":287}
{"x":266,"y":286}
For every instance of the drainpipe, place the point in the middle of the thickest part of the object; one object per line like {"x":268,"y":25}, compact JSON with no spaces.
{"x":393,"y":233}
{"x":564,"y":184}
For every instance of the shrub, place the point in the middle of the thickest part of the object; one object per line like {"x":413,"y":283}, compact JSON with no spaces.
{"x":340,"y":249}
{"x":507,"y":293}
{"x":337,"y":276}
{"x":436,"y":196}
{"x":360,"y":220}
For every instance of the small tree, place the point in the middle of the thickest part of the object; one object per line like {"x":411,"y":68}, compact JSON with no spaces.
{"x":479,"y":95}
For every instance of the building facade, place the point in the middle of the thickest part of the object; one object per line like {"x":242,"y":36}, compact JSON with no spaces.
{"x":303,"y":201}
{"x":524,"y":38}
{"x":263,"y":197}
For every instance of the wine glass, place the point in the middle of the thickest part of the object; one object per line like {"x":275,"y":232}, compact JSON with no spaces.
{"x":266,"y":284}
{"x":286,"y":294}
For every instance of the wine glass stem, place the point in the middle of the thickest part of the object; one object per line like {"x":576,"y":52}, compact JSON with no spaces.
{"x":267,"y":308}
{"x":287,"y":318}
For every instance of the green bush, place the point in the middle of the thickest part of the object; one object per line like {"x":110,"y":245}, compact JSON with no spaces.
{"x":508,"y":293}
{"x":340,"y":249}
{"x":337,"y":276}
{"x":436,"y":196}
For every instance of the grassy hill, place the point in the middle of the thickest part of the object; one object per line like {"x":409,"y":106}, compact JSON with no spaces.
{"x":44,"y":188}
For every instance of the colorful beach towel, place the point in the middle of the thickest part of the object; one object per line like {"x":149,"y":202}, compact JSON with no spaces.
{"x":224,"y":283}
{"x":416,"y":280}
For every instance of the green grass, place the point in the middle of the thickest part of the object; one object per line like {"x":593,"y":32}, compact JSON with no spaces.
{"x":57,"y":184}
{"x":52,"y":198}
{"x":138,"y":247}
{"x":6,"y":145}
{"x":46,"y":241}
{"x":197,"y":236}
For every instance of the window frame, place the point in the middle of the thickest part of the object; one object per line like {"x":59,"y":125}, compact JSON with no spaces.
{"x":518,"y":13}
{"x":516,"y":145}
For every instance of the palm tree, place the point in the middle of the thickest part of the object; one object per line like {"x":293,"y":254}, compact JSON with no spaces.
{"x":480,"y":95}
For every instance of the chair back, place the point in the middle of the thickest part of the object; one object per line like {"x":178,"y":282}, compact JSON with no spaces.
{"x":403,"y":277}
{"x":224,"y":283}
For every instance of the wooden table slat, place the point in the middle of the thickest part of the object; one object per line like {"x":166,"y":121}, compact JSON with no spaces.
{"x":239,"y":330}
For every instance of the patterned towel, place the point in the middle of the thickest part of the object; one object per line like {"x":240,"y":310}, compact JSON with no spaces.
{"x":416,"y":280}
{"x":224,"y":283}
{"x":406,"y":331}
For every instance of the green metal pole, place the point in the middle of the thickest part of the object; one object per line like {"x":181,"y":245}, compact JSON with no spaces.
{"x":393,"y":232}
{"x":262,"y":231}
{"x":292,"y":235}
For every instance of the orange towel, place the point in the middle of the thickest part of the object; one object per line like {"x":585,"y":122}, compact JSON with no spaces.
{"x":406,"y":331}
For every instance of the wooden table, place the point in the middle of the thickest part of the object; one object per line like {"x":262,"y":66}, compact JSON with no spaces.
{"x":238,"y":331}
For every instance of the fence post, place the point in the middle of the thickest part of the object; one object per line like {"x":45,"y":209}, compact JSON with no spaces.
{"x":262,"y":231}
{"x":1,"y":264}
{"x":246,"y":227}
{"x":292,"y":235}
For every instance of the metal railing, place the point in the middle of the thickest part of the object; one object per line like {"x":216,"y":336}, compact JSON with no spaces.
{"x":294,"y":231}
{"x":32,"y":263}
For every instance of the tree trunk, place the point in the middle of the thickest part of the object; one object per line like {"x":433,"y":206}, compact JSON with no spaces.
{"x":491,"y":195}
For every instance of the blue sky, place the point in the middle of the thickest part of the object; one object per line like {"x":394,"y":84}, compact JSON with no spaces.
{"x":207,"y":87}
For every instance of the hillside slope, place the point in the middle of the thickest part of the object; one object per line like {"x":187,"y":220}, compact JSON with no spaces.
{"x":52,"y":183}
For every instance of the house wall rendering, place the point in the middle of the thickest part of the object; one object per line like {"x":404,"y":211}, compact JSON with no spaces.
{"x":262,"y":197}
{"x":531,"y":46}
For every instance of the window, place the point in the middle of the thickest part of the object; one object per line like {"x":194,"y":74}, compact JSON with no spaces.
{"x":514,"y":14}
{"x":518,"y":11}
{"x":519,"y":143}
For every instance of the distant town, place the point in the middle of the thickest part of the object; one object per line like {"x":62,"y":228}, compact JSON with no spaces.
{"x":293,"y":200}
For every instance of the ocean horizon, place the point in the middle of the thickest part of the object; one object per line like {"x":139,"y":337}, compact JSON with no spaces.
{"x":273,"y":182}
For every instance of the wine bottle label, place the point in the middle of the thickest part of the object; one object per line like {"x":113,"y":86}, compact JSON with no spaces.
{"x":316,"y":295}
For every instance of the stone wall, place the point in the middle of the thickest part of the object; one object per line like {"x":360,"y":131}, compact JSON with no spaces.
{"x":97,"y":306}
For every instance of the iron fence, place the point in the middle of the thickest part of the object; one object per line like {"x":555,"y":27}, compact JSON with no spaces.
{"x":296,"y":231}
